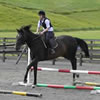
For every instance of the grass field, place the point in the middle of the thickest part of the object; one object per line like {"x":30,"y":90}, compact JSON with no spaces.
{"x":80,"y":34}
{"x":64,"y":14}
{"x":56,"y":5}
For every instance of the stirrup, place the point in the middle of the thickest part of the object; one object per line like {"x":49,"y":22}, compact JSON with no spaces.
{"x":52,"y":51}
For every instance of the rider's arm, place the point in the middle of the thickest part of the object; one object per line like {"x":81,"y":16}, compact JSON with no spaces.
{"x":47,"y":22}
{"x":45,"y":30}
{"x":38,"y":27}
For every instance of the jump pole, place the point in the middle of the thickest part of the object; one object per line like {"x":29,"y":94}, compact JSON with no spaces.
{"x":67,"y":70}
{"x":60,"y":70}
{"x":69,"y":87}
{"x":88,"y":83}
{"x":20,"y":93}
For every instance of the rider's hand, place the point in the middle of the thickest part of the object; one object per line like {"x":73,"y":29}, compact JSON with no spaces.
{"x":36,"y":32}
{"x":41,"y":33}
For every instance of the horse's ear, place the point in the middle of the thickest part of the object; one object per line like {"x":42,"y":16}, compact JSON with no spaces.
{"x":18,"y":30}
{"x":27,"y":27}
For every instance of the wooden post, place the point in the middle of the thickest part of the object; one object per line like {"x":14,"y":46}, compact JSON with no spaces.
{"x":4,"y":47}
{"x":91,"y":48}
{"x":54,"y":61}
{"x":81,"y":56}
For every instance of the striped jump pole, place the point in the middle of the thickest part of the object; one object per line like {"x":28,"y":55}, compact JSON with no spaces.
{"x":59,"y":70}
{"x":67,"y":70}
{"x":69,"y":87}
{"x":88,"y":83}
{"x":20,"y":93}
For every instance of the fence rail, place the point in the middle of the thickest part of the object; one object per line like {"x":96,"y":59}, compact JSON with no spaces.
{"x":7,"y":48}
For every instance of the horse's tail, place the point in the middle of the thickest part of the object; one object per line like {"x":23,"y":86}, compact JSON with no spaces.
{"x":83,"y":46}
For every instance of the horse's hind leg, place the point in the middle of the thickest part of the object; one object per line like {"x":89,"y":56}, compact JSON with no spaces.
{"x":74,"y":67}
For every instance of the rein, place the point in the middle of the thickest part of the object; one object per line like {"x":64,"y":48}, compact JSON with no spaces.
{"x":41,"y":39}
{"x":36,"y":38}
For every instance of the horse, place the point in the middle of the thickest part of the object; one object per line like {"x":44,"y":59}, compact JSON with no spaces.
{"x":67,"y":48}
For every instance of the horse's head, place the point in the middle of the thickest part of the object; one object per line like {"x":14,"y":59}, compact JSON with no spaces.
{"x":21,"y":36}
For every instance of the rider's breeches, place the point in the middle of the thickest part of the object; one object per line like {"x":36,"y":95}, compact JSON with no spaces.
{"x":50,"y":38}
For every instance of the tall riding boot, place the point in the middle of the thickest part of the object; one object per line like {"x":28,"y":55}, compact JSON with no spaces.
{"x":52,"y":46}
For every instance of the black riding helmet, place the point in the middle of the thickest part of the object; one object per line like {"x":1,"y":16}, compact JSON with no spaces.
{"x":41,"y":13}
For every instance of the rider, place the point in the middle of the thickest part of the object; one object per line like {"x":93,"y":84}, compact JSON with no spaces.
{"x":47,"y":29}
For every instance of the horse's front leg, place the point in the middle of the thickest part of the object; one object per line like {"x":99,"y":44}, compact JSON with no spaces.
{"x":33,"y":63}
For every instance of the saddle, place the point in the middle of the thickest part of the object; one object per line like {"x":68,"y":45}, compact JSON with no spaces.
{"x":54,"y":42}
{"x":47,"y":44}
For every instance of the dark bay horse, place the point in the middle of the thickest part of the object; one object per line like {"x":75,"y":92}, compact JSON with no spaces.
{"x":67,"y":47}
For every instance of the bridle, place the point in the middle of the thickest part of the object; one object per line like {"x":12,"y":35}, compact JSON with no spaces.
{"x":40,"y":39}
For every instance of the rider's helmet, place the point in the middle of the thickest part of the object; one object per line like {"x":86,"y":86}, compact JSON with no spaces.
{"x":41,"y":13}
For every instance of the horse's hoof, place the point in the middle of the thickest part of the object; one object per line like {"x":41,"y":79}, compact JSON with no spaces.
{"x":77,"y":75}
{"x":25,"y":81}
{"x":33,"y":86}
{"x":74,"y":84}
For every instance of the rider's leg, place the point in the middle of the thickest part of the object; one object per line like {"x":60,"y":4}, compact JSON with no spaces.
{"x":49,"y":39}
{"x":51,"y":42}
{"x":52,"y":46}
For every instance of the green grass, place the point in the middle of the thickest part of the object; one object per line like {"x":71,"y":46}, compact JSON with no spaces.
{"x":8,"y":34}
{"x":64,"y":14}
{"x":80,"y":34}
{"x":56,"y":5}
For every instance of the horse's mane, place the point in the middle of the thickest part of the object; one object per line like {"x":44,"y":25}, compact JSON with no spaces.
{"x":27,"y":29}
